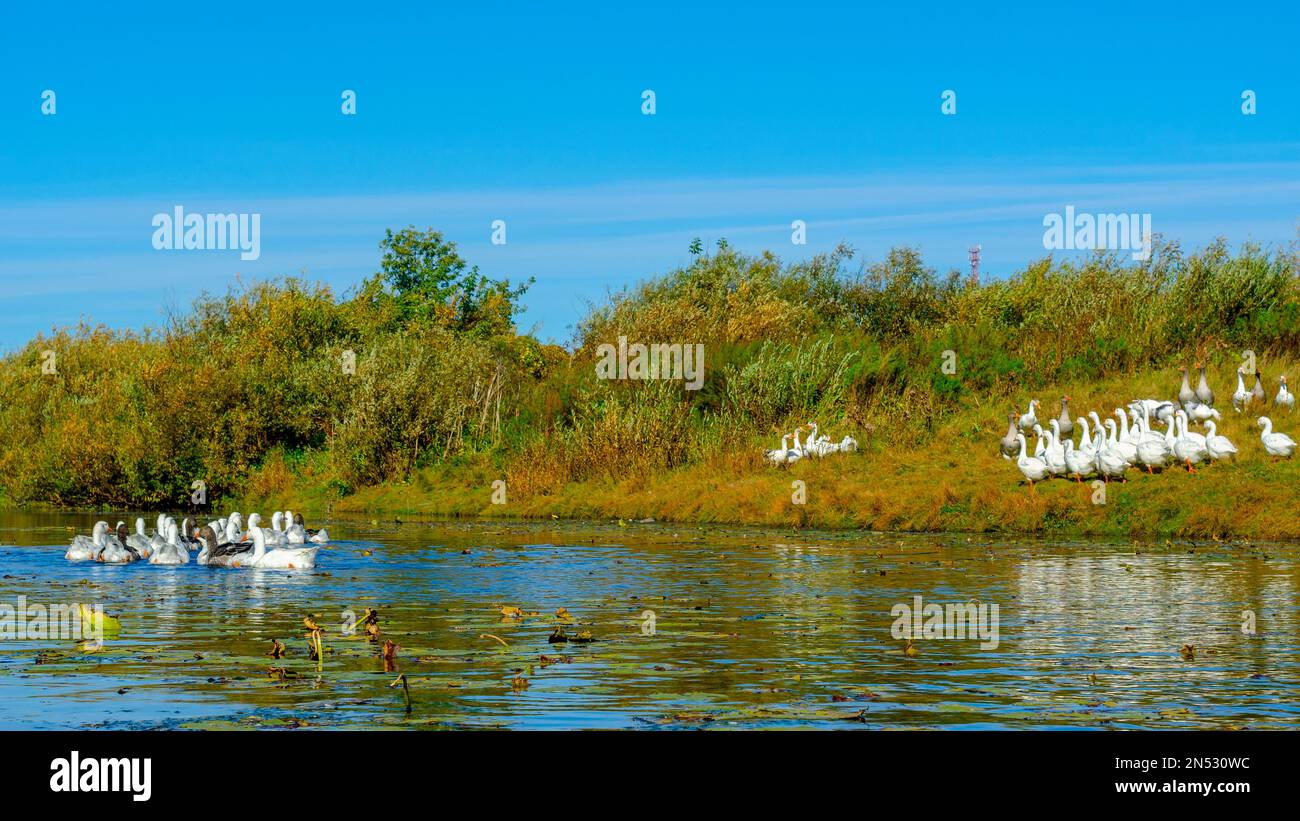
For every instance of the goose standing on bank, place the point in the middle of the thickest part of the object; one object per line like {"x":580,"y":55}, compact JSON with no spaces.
{"x":1199,"y":439}
{"x":1127,"y":450}
{"x":1054,"y":455}
{"x":1188,"y":450}
{"x":1241,"y":396}
{"x":1008,"y":444}
{"x":810,"y":447}
{"x":1110,"y":460}
{"x":1276,"y":444}
{"x":1064,"y":420}
{"x":1152,"y":452}
{"x":1154,"y":407}
{"x":1257,"y":394}
{"x":1033,"y":469}
{"x":1219,"y":447}
{"x":1203,"y":393}
{"x":1079,"y":463}
{"x":1185,"y":393}
{"x":818,"y":445}
{"x":797,"y":452}
{"x":1030,"y":417}
{"x":1086,"y":446}
{"x":1284,"y":398}
{"x":772,"y":457}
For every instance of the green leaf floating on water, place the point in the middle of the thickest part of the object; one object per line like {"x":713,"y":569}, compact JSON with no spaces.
{"x":97,"y":622}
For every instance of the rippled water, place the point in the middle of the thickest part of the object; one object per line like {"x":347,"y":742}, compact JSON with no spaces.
{"x":751,"y":629}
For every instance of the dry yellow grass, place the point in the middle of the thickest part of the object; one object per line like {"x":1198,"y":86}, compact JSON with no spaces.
{"x":956,"y":481}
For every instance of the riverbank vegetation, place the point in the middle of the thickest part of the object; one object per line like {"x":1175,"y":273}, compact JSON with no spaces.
{"x":415,"y":392}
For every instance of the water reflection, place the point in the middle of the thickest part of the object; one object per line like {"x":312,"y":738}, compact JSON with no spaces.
{"x":752,"y":629}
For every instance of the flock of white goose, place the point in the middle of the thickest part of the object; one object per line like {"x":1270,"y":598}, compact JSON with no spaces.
{"x":816,"y":446}
{"x":1109,"y":449}
{"x":285,"y":545}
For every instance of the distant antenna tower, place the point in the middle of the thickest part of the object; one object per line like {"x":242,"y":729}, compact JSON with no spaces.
{"x":975,"y":265}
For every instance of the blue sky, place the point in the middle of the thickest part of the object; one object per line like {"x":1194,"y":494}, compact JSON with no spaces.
{"x":765,"y":114}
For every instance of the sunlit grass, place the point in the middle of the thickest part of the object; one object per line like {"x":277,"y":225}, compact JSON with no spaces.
{"x":248,"y":394}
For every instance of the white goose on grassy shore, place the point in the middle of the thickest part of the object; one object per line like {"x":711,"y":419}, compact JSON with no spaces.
{"x":1219,"y":447}
{"x":1277,"y":445}
{"x":1032,"y":468}
{"x":1284,"y":398}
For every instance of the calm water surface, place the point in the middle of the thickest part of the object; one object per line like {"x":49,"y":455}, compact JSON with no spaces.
{"x":752,"y":629}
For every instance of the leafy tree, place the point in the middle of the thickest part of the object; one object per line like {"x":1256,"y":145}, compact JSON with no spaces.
{"x":430,"y":282}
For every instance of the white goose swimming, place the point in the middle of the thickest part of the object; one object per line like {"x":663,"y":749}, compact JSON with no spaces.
{"x":276,"y":535}
{"x":160,"y":535}
{"x":294,"y":532}
{"x":173,"y":552}
{"x":234,"y":528}
{"x":322,"y":536}
{"x":139,"y":539}
{"x":280,"y":558}
{"x":87,"y":548}
{"x":116,"y":551}
{"x":1275,"y":444}
{"x":221,"y":555}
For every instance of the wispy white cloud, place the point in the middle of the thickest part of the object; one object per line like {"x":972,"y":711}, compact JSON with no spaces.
{"x":65,"y":257}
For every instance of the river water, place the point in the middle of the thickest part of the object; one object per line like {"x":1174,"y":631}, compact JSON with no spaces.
{"x":690,"y":628}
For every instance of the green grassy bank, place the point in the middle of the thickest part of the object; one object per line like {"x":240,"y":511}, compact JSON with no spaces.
{"x":413,"y":393}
